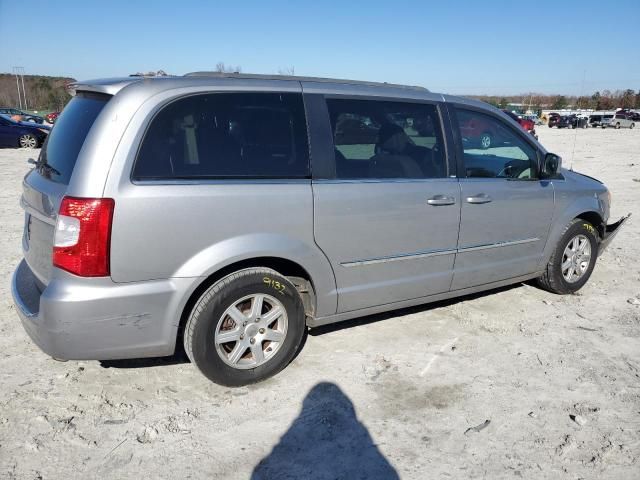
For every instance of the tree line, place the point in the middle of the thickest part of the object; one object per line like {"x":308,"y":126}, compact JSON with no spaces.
{"x":605,"y":100}
{"x":49,"y":93}
{"x":42,"y":93}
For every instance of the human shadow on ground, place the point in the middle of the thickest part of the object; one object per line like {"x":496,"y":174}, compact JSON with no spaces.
{"x":325,"y":441}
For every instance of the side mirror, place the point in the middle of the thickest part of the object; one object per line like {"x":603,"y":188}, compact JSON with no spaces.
{"x":551,"y":165}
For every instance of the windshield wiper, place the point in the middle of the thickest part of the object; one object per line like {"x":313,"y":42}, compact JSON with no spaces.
{"x":43,"y":165}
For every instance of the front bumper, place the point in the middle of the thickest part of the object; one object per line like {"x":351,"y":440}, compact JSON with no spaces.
{"x":97,"y":319}
{"x":610,"y":231}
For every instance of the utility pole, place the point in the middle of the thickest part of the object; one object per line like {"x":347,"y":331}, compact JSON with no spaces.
{"x":22,"y":96}
{"x":15,"y":72}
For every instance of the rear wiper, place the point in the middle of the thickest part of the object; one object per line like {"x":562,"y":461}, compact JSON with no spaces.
{"x":42,"y":165}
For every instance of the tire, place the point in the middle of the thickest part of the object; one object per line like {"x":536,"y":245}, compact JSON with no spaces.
{"x":28,"y":141}
{"x":618,"y":126}
{"x":632,"y":125}
{"x":554,"y":279}
{"x":233,"y":363}
{"x":485,"y":140}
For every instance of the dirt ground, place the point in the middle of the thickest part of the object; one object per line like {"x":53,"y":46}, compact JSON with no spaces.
{"x":555,"y":380}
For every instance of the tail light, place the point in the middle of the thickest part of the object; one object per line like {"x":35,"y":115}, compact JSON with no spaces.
{"x":83,"y":235}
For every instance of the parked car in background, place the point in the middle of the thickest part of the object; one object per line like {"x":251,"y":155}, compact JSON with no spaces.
{"x":21,"y":116}
{"x":527,"y":124}
{"x":21,"y":134}
{"x":595,"y":120}
{"x":572,"y":121}
{"x":52,"y":117}
{"x":224,"y":212}
{"x":554,"y":118}
{"x":619,"y":120}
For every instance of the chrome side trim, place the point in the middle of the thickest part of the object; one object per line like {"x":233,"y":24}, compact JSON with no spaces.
{"x":433,"y":253}
{"x":496,"y":245}
{"x":406,"y":256}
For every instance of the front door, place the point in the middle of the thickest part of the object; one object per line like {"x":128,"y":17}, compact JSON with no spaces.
{"x":388,"y":221}
{"x":506,"y":209}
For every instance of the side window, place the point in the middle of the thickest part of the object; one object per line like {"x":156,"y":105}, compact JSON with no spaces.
{"x":493,"y":150}
{"x":377,"y":139}
{"x":226,"y":135}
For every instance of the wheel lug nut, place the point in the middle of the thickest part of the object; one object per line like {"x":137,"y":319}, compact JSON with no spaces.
{"x":242,"y":337}
{"x":253,"y":340}
{"x":261,"y":330}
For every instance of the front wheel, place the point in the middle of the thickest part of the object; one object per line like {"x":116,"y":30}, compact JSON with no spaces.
{"x":632,"y":125}
{"x":28,"y":141}
{"x":246,"y":327}
{"x":573,"y":260}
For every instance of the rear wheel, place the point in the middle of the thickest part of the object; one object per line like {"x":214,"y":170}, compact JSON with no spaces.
{"x":573,"y":260}
{"x":632,"y":125}
{"x":28,"y":141}
{"x":246,"y":327}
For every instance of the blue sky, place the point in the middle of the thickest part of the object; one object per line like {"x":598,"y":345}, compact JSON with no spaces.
{"x":473,"y":47}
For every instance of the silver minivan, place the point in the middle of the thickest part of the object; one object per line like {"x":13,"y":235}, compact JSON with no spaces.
{"x":228,"y":213}
{"x":619,"y":120}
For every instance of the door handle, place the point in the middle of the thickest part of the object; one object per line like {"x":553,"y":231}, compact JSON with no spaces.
{"x":437,"y":200}
{"x":480,"y":198}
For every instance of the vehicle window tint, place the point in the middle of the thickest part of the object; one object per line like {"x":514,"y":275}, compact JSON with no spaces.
{"x":492,"y":149}
{"x":63,"y":144}
{"x":377,"y":139}
{"x":226,"y":135}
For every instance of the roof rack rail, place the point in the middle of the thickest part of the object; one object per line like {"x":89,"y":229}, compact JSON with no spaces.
{"x":257,"y":76}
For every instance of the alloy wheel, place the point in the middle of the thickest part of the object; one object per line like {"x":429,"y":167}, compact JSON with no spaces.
{"x":28,"y":141}
{"x":251,"y":331}
{"x":576,"y":258}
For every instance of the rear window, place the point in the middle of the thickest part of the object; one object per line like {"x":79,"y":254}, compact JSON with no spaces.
{"x":226,"y":135}
{"x":63,"y":145}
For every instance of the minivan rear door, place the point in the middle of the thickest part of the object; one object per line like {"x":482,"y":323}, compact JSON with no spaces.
{"x":386,"y":209}
{"x":46,"y":184}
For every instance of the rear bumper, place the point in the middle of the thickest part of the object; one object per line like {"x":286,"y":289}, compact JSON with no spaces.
{"x":610,"y":232}
{"x":96,"y":319}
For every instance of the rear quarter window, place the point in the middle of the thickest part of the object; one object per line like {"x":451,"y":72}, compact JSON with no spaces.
{"x":63,"y":145}
{"x":226,"y":135}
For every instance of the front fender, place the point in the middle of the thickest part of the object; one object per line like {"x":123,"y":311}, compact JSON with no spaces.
{"x":564,"y":215}
{"x":247,"y":247}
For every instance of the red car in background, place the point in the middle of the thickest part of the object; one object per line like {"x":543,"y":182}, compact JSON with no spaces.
{"x":52,"y":117}
{"x":526,"y":124}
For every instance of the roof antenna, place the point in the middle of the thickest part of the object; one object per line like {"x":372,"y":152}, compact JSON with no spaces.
{"x":575,"y":137}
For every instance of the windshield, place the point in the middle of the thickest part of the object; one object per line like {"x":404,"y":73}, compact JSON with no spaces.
{"x":63,"y":145}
